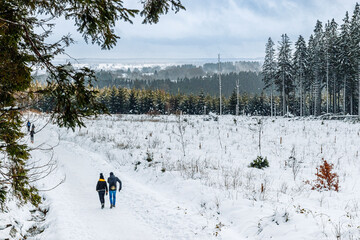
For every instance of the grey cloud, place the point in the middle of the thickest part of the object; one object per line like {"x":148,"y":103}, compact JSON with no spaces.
{"x":238,"y":28}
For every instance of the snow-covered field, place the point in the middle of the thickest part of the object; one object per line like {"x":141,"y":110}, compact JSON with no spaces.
{"x":186,"y":178}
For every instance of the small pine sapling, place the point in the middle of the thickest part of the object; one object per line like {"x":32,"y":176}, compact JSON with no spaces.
{"x":326,"y":179}
{"x":259,"y":163}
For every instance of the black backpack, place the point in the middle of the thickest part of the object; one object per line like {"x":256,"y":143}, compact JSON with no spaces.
{"x":112,"y":183}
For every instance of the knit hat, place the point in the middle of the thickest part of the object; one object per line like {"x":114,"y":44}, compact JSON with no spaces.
{"x":111,"y":173}
{"x":101,"y":176}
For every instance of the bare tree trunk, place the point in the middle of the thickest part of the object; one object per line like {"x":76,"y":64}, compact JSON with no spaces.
{"x":317,"y":93}
{"x":359,"y":86}
{"x":334,"y":94}
{"x":271,"y":105}
{"x":283,"y":93}
{"x":344,"y":95}
{"x":338,"y":100}
{"x":301,"y":96}
{"x":327,"y":82}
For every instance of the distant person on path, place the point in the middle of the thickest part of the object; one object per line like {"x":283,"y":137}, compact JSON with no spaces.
{"x":112,"y":188}
{"x":101,"y":188}
{"x":32,"y":133}
{"x":28,"y":125}
{"x":33,"y":127}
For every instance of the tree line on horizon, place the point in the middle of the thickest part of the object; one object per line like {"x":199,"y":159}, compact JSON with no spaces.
{"x":119,"y":100}
{"x":322,"y":75}
{"x":249,"y":82}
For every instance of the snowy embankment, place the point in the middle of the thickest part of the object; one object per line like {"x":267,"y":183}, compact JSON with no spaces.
{"x":189,"y":179}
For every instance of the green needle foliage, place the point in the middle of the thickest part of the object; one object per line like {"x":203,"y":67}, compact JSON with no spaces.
{"x":259,"y":163}
{"x":24,"y":28}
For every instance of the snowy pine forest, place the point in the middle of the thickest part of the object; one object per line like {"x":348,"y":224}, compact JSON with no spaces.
{"x":321,"y":75}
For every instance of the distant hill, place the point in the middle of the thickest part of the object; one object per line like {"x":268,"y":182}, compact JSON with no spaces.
{"x":228,"y":67}
{"x":185,"y":78}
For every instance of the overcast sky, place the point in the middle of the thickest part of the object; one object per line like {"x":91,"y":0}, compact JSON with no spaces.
{"x":233,"y":28}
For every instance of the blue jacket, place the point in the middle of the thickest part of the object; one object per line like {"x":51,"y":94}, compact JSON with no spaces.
{"x":112,"y":180}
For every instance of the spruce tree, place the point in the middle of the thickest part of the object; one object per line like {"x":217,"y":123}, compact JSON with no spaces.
{"x":300,"y":63}
{"x":133,"y":102}
{"x":200,"y":103}
{"x":332,"y":50}
{"x":344,"y":59}
{"x":318,"y":66}
{"x":147,"y":101}
{"x":160,"y":101}
{"x":232,"y":103}
{"x":310,"y":75}
{"x":113,"y":103}
{"x":174,"y":102}
{"x":284,"y":78}
{"x":121,"y":100}
{"x":269,"y":69}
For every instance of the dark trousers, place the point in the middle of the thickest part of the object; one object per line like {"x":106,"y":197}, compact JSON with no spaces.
{"x":101,"y":196}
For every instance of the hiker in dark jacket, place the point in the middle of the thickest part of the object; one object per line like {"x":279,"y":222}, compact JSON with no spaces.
{"x":32,"y":133}
{"x":101,"y":188}
{"x":112,"y":180}
{"x":28,"y":125}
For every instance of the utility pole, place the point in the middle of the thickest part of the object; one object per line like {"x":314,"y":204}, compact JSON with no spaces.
{"x":220,"y":84}
{"x":237,"y":97}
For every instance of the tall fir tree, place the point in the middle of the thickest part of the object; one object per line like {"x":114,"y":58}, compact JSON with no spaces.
{"x":200,"y":103}
{"x":232,"y":103}
{"x":113,"y":104}
{"x":269,"y":69}
{"x":318,"y":66}
{"x":355,"y":52}
{"x":284,"y":78}
{"x":310,"y":75}
{"x":344,"y":59}
{"x":332,"y":51}
{"x":160,"y":101}
{"x":121,"y":100}
{"x":300,"y":63}
{"x":133,"y":107}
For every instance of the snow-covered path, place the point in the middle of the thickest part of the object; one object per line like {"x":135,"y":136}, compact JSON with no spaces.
{"x":141,"y":212}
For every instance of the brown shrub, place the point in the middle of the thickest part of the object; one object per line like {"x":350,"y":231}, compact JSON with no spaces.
{"x":326,"y":179}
